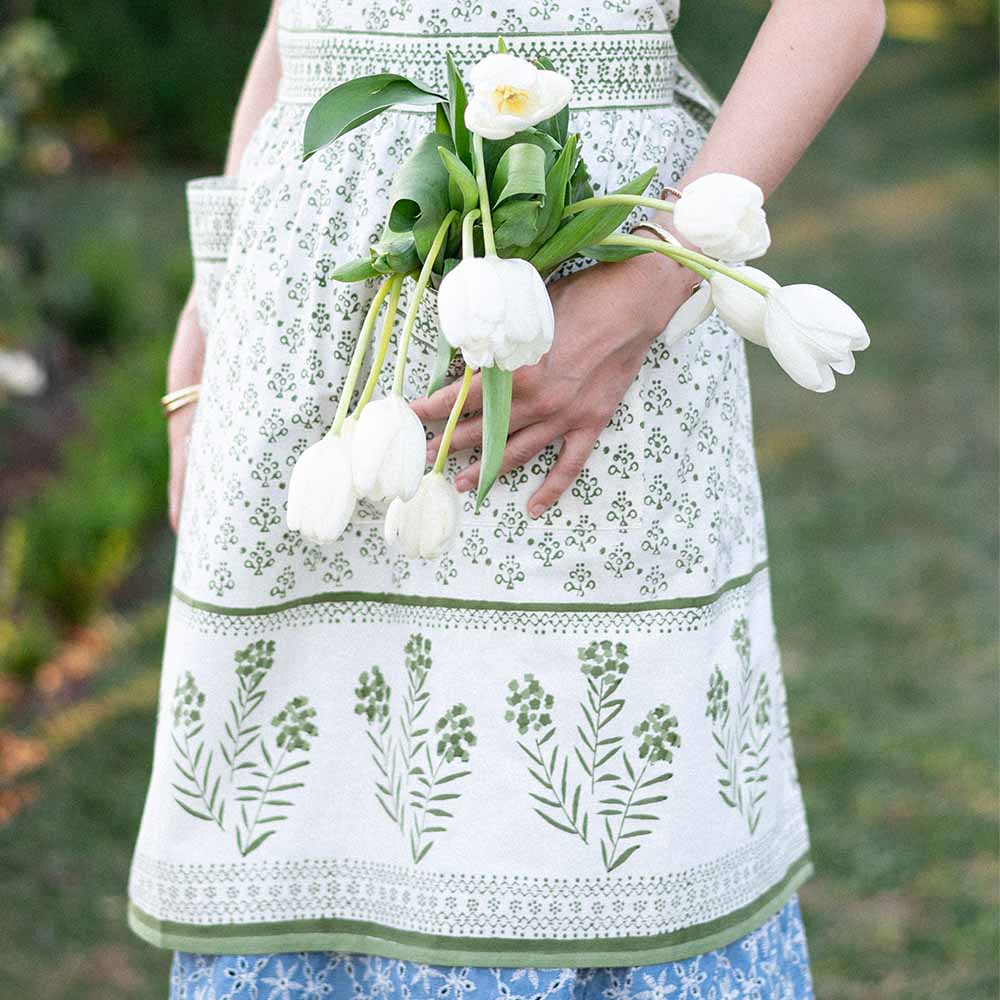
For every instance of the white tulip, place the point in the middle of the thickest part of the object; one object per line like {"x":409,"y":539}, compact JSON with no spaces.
{"x":723,"y":215}
{"x":510,"y":94}
{"x":388,"y":450}
{"x":21,"y":374}
{"x":321,"y":491}
{"x":498,"y":312}
{"x":692,"y":313}
{"x":424,"y":526}
{"x":741,"y":307}
{"x":812,"y":334}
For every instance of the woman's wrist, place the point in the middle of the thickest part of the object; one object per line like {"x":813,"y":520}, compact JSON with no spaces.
{"x":660,"y":286}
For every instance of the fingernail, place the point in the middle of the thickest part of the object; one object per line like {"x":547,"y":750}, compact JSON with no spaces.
{"x":536,"y":509}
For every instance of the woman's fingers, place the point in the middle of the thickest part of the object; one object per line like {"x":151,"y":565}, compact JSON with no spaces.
{"x":468,"y":434}
{"x":438,"y":405}
{"x":576,"y":449}
{"x":521,"y":448}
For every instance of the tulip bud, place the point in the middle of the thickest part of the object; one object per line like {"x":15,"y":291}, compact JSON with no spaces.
{"x":741,"y":307}
{"x":388,"y":450}
{"x":812,"y":334}
{"x":498,"y":312}
{"x":424,"y":526}
{"x":511,"y":94}
{"x":321,"y":491}
{"x":723,"y":215}
{"x":691,"y":313}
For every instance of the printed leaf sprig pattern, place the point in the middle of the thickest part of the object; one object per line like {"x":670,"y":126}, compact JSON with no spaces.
{"x":623,"y":802}
{"x":416,"y":765}
{"x":253,"y":776}
{"x":531,"y":711}
{"x":259,"y":800}
{"x":658,"y":732}
{"x":742,"y":732}
{"x":199,"y":794}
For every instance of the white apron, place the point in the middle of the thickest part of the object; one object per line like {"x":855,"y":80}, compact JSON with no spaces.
{"x":563,"y":743}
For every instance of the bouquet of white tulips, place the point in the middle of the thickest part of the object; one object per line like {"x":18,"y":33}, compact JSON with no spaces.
{"x":485,"y":208}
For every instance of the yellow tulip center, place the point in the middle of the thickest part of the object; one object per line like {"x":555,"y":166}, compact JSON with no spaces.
{"x":511,"y":101}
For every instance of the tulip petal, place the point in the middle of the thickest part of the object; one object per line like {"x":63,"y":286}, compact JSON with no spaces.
{"x":691,"y":313}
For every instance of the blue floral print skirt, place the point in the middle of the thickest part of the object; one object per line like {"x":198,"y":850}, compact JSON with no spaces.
{"x":770,"y":963}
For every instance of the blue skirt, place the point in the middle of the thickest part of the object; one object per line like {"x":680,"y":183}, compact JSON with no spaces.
{"x":770,"y":963}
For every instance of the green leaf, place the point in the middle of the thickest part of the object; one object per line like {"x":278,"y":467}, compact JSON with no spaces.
{"x":555,"y":823}
{"x":355,"y":270}
{"x":457,"y":102}
{"x":579,"y":184}
{"x":624,"y":856}
{"x":395,"y":253}
{"x":494,"y":149}
{"x":556,"y":184}
{"x":463,"y":191}
{"x":498,"y":386}
{"x":442,"y":364}
{"x":353,"y":103}
{"x":251,"y":847}
{"x":418,"y":199}
{"x":611,"y":255}
{"x":194,"y":812}
{"x":521,"y":170}
{"x":588,"y":227}
{"x":515,"y":226}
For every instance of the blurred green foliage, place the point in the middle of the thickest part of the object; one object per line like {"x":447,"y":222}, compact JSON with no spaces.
{"x":165,"y":76}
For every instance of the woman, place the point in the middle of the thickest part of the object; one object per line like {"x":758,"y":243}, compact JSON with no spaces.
{"x":555,"y":760}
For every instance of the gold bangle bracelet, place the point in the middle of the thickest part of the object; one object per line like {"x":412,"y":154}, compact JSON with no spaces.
{"x":662,"y":234}
{"x":179,"y":398}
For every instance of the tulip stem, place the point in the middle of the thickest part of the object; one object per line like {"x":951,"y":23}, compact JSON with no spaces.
{"x":360,"y":349}
{"x":484,"y":195}
{"x":697,"y":262}
{"x":418,"y":294}
{"x":468,"y":236}
{"x":395,"y":286}
{"x":599,"y":201}
{"x":456,"y":412}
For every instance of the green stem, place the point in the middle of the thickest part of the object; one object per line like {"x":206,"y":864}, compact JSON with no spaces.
{"x":456,"y":412}
{"x":636,"y":200}
{"x":395,"y":285}
{"x":418,"y":294}
{"x":468,"y":241}
{"x":360,"y":349}
{"x":689,"y":258}
{"x":484,"y":195}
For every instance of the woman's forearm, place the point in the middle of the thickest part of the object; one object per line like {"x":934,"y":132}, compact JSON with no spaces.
{"x":259,"y":91}
{"x":804,"y":60}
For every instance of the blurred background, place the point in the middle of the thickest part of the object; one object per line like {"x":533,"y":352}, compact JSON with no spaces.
{"x":882,"y":498}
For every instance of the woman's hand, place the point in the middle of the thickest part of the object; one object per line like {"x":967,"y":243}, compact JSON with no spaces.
{"x":606,"y":318}
{"x":187,"y":357}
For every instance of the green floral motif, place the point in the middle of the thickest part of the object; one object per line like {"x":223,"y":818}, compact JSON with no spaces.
{"x":262,"y":794}
{"x":455,"y":734}
{"x":567,"y":804}
{"x":414,"y":763}
{"x":264,"y":802}
{"x":252,"y":666}
{"x":198,"y":787}
{"x":532,"y":703}
{"x":626,"y":819}
{"x":741,"y":731}
{"x":531,"y":711}
{"x":373,"y":695}
{"x":605,"y":665}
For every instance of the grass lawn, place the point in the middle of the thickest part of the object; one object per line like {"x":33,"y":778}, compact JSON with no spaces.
{"x":882,"y":511}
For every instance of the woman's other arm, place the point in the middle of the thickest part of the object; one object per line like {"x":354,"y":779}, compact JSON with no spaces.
{"x":806,"y":57}
{"x":188,"y":351}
